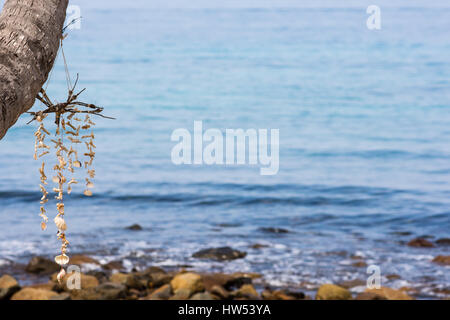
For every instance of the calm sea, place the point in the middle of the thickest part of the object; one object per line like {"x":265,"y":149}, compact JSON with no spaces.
{"x":364,"y":141}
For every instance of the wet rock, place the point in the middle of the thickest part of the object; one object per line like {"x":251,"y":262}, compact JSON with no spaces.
{"x":46,"y":286}
{"x":274,"y":230}
{"x":401,"y":233}
{"x":113,"y":265}
{"x":8,"y":286}
{"x":187,"y":283}
{"x":219,"y":254}
{"x":79,"y":259}
{"x":202,"y":296}
{"x":181,"y":294}
{"x":352,"y":283}
{"x":282,"y":295}
{"x":131,"y":281}
{"x":134,"y":227}
{"x":228,"y":281}
{"x":251,"y":275}
{"x":369,"y":296}
{"x":61,"y":296}
{"x":258,"y":246}
{"x":105,"y":291}
{"x":34,"y":294}
{"x":228,"y":225}
{"x":442,"y":291}
{"x":443,"y":241}
{"x":153,"y":269}
{"x":237,"y":282}
{"x":393,"y":277}
{"x":296,"y":294}
{"x":159,"y":279}
{"x":220,"y":292}
{"x":247,"y":291}
{"x":340,"y":253}
{"x":100,"y":275}
{"x":332,"y":292}
{"x":390,"y":294}
{"x":162,"y":293}
{"x":134,"y":294}
{"x":268,"y":295}
{"x":420,"y":243}
{"x":118,"y":277}
{"x":137,"y":282}
{"x":443,"y":260}
{"x":215,"y":279}
{"x":41,"y":266}
{"x":359,"y":264}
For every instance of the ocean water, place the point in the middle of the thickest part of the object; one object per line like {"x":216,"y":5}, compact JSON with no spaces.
{"x":364,"y":142}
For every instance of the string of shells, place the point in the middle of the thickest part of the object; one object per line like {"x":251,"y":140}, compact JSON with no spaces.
{"x":76,"y":131}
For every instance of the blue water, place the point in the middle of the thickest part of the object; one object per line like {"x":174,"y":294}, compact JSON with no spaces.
{"x":364,"y":141}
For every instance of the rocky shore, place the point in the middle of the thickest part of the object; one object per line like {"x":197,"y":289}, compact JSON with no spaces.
{"x":110,"y":282}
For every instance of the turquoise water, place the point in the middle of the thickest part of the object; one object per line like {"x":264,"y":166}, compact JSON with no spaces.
{"x":364,"y":141}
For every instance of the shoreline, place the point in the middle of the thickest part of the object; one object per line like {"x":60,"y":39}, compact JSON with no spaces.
{"x":110,"y":281}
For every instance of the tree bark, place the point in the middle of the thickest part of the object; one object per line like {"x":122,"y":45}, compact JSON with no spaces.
{"x":30,"y":31}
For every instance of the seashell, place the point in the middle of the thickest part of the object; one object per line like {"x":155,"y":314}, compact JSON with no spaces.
{"x":74,"y":140}
{"x":77,"y":164}
{"x":88,"y":193}
{"x":45,"y":130}
{"x":61,"y":275}
{"x":62,"y":259}
{"x":91,"y":173}
{"x":60,"y":223}
{"x":89,"y":185}
{"x":43,"y":225}
{"x":71,"y":125}
{"x":43,"y":153}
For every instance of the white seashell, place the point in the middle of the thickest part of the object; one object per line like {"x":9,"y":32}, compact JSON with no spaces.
{"x":88,"y":193}
{"x":60,"y":223}
{"x":61,"y":275}
{"x":62,"y":259}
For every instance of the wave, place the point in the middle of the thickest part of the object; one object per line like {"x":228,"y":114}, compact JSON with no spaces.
{"x":226,"y":194}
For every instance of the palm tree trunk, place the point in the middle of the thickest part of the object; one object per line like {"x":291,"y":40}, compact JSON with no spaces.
{"x":30,"y":32}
